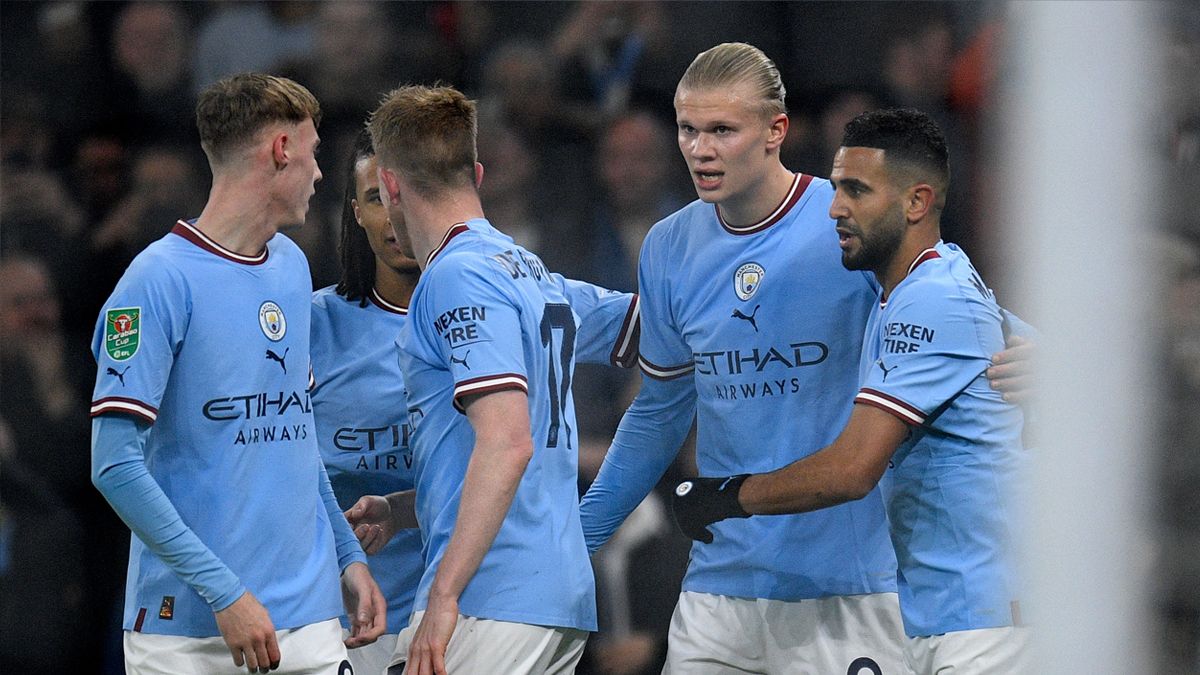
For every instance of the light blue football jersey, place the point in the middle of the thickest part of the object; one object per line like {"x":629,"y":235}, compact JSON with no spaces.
{"x":362,"y":426}
{"x":769,"y":325}
{"x":924,"y":360}
{"x":211,"y":347}
{"x":487,"y":316}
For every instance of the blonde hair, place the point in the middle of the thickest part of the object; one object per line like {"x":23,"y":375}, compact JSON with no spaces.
{"x":232,"y":110}
{"x":427,"y":134}
{"x":733,"y":63}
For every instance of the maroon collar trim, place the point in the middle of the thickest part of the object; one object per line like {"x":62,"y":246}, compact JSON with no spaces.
{"x":189,"y":232}
{"x":386,"y":306}
{"x":453,"y":232}
{"x":799,"y":185}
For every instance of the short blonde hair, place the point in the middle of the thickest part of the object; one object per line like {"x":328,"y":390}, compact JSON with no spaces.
{"x":230,"y":111}
{"x":427,"y":134}
{"x":732,"y":63}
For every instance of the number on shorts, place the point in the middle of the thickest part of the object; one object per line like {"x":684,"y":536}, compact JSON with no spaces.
{"x":345,"y":668}
{"x":863,"y":662}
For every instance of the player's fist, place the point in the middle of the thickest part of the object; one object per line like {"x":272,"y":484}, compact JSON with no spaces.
{"x":700,"y":502}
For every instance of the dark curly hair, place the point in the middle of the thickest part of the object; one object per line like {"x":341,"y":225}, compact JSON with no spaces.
{"x":358,"y":260}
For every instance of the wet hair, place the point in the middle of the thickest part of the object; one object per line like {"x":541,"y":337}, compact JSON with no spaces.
{"x":358,"y":260}
{"x":908,"y":137}
{"x":427,"y":134}
{"x":732,"y":63}
{"x":231,"y":111}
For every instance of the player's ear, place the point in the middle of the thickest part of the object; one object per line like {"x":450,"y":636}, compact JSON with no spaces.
{"x":919,"y":202}
{"x":478,"y":174}
{"x":279,"y":150}
{"x":389,"y":185}
{"x":357,"y":215}
{"x":777,"y":130}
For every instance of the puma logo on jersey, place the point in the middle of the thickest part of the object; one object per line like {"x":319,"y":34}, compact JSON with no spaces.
{"x":120,"y":375}
{"x":275,"y":357}
{"x":885,"y":369}
{"x":737,"y":314}
{"x":463,"y":360}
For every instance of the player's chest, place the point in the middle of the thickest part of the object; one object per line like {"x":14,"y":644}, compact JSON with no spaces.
{"x":778,"y":288}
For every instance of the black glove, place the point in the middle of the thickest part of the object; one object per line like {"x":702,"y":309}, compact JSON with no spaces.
{"x":700,"y":502}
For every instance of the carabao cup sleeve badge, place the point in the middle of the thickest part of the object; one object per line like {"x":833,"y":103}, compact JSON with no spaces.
{"x":121,"y":329}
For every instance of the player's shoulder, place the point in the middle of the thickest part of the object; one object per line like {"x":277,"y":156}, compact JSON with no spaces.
{"x":282,"y":247}
{"x":161,"y":262}
{"x":327,"y":299}
{"x":674,"y":229}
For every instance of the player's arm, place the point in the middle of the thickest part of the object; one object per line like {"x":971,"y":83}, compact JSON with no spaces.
{"x":609,"y":324}
{"x":377,"y":518}
{"x":844,"y":471}
{"x":503,"y":448}
{"x":365,"y":606}
{"x":647,"y":441}
{"x":119,"y":473}
{"x":1011,"y":372}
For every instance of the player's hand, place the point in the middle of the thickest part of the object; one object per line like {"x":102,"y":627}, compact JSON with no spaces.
{"x":365,"y":606}
{"x":249,"y":634}
{"x":427,"y":653}
{"x":700,"y":502}
{"x":1011,"y":372}
{"x":373,"y":523}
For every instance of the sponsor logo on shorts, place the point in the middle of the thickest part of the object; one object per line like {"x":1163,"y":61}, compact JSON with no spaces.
{"x":272,"y":321}
{"x":122,"y":328}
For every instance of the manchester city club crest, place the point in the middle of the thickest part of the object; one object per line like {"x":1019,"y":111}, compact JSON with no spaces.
{"x":270,"y":317}
{"x":747,"y":279}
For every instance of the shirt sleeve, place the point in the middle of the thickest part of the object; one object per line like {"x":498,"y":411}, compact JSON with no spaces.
{"x":608,"y":324}
{"x":475,"y":329}
{"x":138,"y":333}
{"x":119,"y":473}
{"x":662,"y":352}
{"x":933,"y":346}
{"x":647,"y":441}
{"x":348,"y":549}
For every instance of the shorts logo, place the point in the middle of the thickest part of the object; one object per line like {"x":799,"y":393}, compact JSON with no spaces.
{"x":167,"y":609}
{"x":121,"y":329}
{"x":747,"y":279}
{"x":683,"y":488}
{"x":270,"y":317}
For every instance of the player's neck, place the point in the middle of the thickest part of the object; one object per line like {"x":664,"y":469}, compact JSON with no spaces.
{"x":394,"y":286}
{"x":234,"y":217}
{"x":428,"y":221}
{"x":901,"y":264}
{"x":760,"y":200}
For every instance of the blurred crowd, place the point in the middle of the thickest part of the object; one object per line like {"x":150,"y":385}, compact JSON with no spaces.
{"x":99,"y":156}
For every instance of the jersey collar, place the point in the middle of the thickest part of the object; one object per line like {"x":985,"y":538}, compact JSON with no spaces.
{"x":454,"y":231}
{"x":924,"y":256}
{"x":386,"y":306}
{"x":799,"y":185}
{"x":189,"y":232}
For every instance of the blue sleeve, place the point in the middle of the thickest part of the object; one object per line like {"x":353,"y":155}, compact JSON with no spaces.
{"x":608,"y":324}
{"x":934,"y":344}
{"x":476,"y":331}
{"x":348,"y":549}
{"x":119,"y":472}
{"x":1016,"y":326}
{"x":647,"y":440}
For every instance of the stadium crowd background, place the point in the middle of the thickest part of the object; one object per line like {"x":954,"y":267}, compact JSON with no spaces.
{"x":100,"y":156}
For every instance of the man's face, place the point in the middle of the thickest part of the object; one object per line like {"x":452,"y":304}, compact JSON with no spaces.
{"x":389,"y":189}
{"x":724,"y":137}
{"x":867,"y":207}
{"x":304,"y":172}
{"x":372,"y":216}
